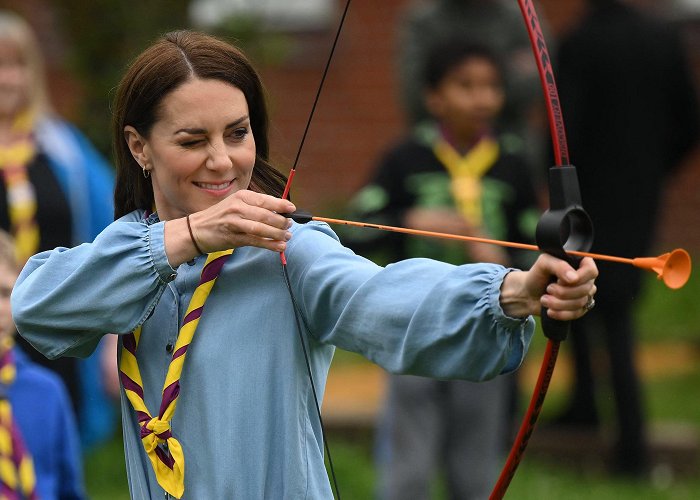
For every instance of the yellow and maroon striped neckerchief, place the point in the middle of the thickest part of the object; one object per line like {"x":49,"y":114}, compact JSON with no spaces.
{"x":466,"y":172}
{"x":17,"y":479}
{"x":164,"y":451}
{"x":21,"y":198}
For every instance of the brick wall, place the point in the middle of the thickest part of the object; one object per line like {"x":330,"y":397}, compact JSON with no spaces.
{"x":357,"y":115}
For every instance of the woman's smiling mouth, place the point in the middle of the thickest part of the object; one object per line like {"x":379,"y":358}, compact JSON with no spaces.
{"x":213,"y":187}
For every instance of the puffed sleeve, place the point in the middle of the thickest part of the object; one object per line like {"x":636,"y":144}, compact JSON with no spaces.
{"x":416,"y":316}
{"x":66,"y":299}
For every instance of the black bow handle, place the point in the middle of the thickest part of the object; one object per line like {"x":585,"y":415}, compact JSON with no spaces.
{"x":565,"y":226}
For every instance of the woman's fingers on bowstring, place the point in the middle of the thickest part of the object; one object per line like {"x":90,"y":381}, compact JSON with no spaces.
{"x":252,"y":219}
{"x":258,"y":221}
{"x":264,"y":208}
{"x":263,"y":235}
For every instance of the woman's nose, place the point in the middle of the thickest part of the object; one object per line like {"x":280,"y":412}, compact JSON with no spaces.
{"x":219,"y":158}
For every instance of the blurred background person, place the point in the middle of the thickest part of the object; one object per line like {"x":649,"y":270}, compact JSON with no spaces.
{"x":454,"y":173}
{"x":56,"y":190}
{"x":631,"y":117}
{"x":497,"y":24}
{"x":40,"y":446}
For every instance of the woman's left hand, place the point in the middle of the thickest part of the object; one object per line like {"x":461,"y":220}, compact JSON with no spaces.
{"x":566,"y":298}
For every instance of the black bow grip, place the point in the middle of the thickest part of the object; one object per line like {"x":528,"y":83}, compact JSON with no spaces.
{"x":565,"y":226}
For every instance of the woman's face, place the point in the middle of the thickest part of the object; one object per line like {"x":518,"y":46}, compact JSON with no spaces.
{"x":201,"y":149}
{"x":14,"y":80}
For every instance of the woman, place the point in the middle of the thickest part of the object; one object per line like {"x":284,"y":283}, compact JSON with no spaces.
{"x":190,"y":132}
{"x":55,"y":191}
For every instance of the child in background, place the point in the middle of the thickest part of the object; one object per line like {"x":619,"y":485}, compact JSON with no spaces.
{"x":452,"y":174}
{"x":39,"y":443}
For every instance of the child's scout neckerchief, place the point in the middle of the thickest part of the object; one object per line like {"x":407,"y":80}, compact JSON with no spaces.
{"x":17,"y":479}
{"x":466,"y":172}
{"x":164,"y":451}
{"x":21,"y":198}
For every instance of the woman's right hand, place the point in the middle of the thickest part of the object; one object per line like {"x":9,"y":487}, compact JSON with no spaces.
{"x":245,"y":218}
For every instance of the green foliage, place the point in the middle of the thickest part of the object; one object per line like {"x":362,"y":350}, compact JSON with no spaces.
{"x":103,"y":36}
{"x":354,"y":467}
{"x":105,"y":471}
{"x":674,"y":398}
{"x":664,"y":314}
{"x":536,"y":480}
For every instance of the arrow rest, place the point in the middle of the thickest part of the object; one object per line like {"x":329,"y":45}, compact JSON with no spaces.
{"x":564,"y":227}
{"x":299,"y":216}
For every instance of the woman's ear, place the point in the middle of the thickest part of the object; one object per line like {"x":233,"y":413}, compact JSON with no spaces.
{"x":137,"y":145}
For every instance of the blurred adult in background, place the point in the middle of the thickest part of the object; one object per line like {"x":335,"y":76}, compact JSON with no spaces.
{"x":631,"y":116}
{"x":56,"y":190}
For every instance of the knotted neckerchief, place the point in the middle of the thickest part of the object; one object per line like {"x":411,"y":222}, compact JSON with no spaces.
{"x":17,"y":479}
{"x":21,"y":198}
{"x":466,"y":172}
{"x":164,"y":451}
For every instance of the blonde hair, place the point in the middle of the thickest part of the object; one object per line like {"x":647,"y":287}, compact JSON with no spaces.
{"x":16,"y":30}
{"x":8,"y":254}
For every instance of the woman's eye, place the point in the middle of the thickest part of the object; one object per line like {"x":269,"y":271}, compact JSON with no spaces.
{"x":240,"y":133}
{"x":190,"y":144}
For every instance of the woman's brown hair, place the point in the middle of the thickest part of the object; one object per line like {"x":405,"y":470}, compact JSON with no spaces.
{"x":172,"y":60}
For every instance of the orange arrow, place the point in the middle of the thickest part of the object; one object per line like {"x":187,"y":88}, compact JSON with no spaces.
{"x":673,"y":268}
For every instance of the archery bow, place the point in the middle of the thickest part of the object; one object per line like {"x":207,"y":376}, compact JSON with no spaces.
{"x":565,"y":231}
{"x":565,"y":226}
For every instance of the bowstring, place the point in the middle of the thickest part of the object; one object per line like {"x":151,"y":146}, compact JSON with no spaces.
{"x":299,"y":319}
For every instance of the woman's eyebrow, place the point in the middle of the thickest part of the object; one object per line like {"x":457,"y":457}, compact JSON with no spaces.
{"x":195,"y":131}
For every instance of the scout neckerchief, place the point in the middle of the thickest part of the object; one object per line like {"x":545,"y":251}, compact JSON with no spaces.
{"x":466,"y":172}
{"x":21,"y":198}
{"x":164,"y":451}
{"x":17,"y":479}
